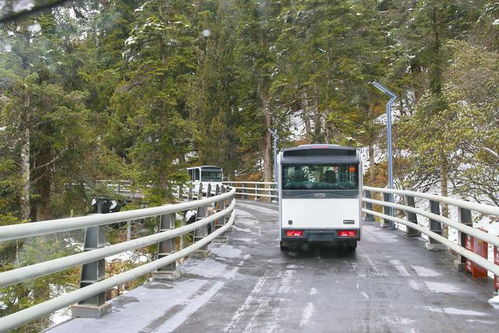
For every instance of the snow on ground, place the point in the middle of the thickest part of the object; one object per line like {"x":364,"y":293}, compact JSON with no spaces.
{"x":130,"y":256}
{"x":425,"y":272}
{"x":494,"y":301}
{"x":60,"y":316}
{"x":454,"y":311}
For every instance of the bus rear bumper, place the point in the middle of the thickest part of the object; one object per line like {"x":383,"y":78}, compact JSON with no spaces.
{"x":327,"y":236}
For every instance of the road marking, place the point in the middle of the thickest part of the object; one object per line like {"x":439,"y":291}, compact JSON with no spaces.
{"x":399,"y":267}
{"x":413,"y":284}
{"x":264,"y":305}
{"x":191,"y":306}
{"x":247,"y":303}
{"x":455,"y":311}
{"x":362,"y":292}
{"x":286,"y":282}
{"x":425,"y":272}
{"x":313,"y":291}
{"x":441,"y":287}
{"x":230,"y":275}
{"x":371,"y":263}
{"x":307,"y":314}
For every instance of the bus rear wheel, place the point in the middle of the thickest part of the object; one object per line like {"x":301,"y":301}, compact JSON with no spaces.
{"x":349,"y":246}
{"x":284,"y":246}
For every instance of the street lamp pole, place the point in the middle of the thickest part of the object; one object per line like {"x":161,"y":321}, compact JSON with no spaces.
{"x":393,"y":97}
{"x":276,"y":140}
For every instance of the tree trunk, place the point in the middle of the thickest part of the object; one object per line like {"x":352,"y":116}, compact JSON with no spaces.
{"x":43,"y":191}
{"x":328,"y":133}
{"x":306,"y":118}
{"x":372,"y":173}
{"x":25,"y":176}
{"x":317,"y":138}
{"x":444,"y":190}
{"x":267,"y":142}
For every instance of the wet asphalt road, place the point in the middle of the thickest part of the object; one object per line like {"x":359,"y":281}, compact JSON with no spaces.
{"x":390,"y":284}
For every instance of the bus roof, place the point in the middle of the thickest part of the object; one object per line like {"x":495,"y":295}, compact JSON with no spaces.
{"x":205,"y":167}
{"x":319,"y":154}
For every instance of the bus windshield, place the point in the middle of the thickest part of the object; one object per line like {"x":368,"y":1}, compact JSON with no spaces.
{"x":320,"y":177}
{"x":211,"y":175}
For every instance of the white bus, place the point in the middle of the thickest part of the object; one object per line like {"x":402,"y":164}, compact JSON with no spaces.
{"x":206,"y":174}
{"x":319,"y":196}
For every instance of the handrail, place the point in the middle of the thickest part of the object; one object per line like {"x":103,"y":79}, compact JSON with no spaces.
{"x":56,"y":265}
{"x":248,"y":182}
{"x":459,"y":226}
{"x":16,"y":231}
{"x":257,"y":195}
{"x":257,"y":192}
{"x":263,"y":189}
{"x":485,"y":209}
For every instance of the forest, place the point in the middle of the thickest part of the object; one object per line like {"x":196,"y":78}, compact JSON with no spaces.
{"x":135,"y":90}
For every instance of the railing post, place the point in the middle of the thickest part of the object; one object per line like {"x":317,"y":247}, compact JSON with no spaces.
{"x":256,"y":192}
{"x":464,"y":217}
{"x":167,"y":247}
{"x":220,"y":206}
{"x":369,"y":206}
{"x":411,"y":217}
{"x":200,"y":191}
{"x":436,"y":227}
{"x":189,"y":196}
{"x":95,"y":306}
{"x":201,"y":232}
{"x":387,"y":211}
{"x":225,"y":204}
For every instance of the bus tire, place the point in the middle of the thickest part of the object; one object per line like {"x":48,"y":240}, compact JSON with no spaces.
{"x":283,"y":246}
{"x":351,"y":246}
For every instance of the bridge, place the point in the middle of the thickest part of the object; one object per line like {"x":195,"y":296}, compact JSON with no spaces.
{"x":236,"y":279}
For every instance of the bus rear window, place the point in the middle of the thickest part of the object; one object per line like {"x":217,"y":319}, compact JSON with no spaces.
{"x":320,"y":177}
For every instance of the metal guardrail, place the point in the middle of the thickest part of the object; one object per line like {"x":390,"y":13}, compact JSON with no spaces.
{"x":224,"y":216}
{"x":464,"y":225}
{"x":260,"y":189}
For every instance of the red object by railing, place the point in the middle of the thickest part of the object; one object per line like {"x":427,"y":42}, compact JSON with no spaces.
{"x":479,"y":247}
{"x":496,"y":261}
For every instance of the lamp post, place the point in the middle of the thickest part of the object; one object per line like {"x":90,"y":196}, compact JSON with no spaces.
{"x":393,"y":97}
{"x":276,"y":140}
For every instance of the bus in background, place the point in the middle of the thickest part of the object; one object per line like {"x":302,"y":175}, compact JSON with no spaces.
{"x":206,"y":174}
{"x":319,"y":196}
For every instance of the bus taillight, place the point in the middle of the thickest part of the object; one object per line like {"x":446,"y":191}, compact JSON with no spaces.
{"x":294,"y":233}
{"x":347,"y":233}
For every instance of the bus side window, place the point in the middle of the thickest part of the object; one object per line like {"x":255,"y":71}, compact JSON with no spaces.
{"x":190,"y":175}
{"x":196,"y":174}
